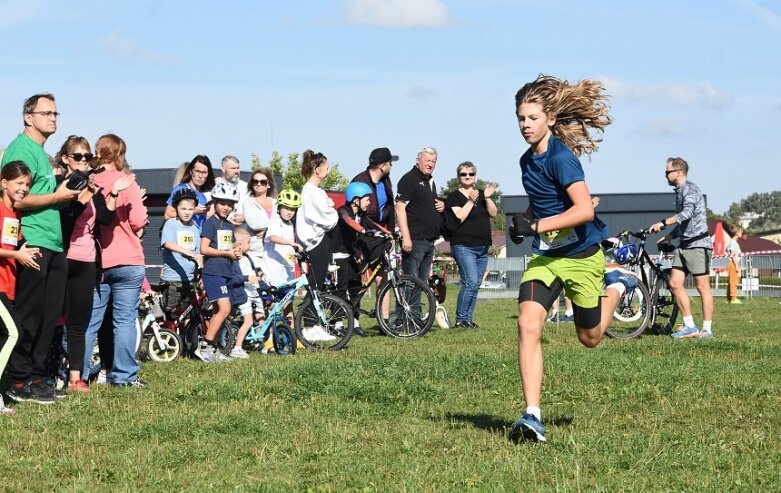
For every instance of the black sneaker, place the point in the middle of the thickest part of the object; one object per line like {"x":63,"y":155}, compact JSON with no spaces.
{"x":31,"y":393}
{"x":137,"y":383}
{"x":473,"y":325}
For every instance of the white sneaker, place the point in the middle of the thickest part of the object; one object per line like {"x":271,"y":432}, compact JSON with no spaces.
{"x":317,"y":334}
{"x":6,"y":410}
{"x":101,"y":380}
{"x":356,"y":323}
{"x":238,"y":352}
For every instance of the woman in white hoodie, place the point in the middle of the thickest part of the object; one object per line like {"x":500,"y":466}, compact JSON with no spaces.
{"x":316,"y":216}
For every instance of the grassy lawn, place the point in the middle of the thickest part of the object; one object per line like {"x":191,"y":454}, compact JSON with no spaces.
{"x":432,"y":414}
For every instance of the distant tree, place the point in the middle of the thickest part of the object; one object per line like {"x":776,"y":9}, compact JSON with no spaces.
{"x":291,"y":172}
{"x":498,"y":222}
{"x":767,"y":204}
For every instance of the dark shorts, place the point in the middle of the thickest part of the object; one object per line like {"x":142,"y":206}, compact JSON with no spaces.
{"x":218,"y":287}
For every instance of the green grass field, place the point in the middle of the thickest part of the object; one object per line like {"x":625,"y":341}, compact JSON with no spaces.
{"x":431,"y":414}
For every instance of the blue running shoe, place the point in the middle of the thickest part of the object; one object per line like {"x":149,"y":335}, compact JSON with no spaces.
{"x":614,"y":276}
{"x":686,"y":332}
{"x":528,"y":428}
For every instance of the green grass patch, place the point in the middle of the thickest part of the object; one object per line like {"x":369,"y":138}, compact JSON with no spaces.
{"x":432,"y":414}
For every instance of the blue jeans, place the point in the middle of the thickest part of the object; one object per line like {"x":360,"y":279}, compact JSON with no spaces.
{"x":472,"y":262}
{"x":417,"y":263}
{"x":122,"y":287}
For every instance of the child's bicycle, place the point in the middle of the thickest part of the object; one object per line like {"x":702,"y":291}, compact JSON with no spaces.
{"x":651,"y":304}
{"x":159,"y":342}
{"x":412,"y":303}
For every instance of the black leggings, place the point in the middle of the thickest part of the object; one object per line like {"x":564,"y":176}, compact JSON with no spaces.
{"x":319,"y":260}
{"x":585,"y":318}
{"x":81,"y":284}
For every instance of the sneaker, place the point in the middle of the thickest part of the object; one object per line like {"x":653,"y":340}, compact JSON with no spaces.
{"x":102,"y":378}
{"x":239,"y":353}
{"x":473,"y":325}
{"x":625,"y":278}
{"x":317,"y":334}
{"x":528,"y":428}
{"x":462,"y":324}
{"x":736,"y":301}
{"x":686,"y":332}
{"x":79,"y":386}
{"x":58,"y":393}
{"x":6,"y":410}
{"x":705,"y":334}
{"x":137,"y":383}
{"x":39,"y":393}
{"x":552,"y":318}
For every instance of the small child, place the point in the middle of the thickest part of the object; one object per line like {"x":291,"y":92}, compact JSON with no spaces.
{"x":15,"y":186}
{"x":181,"y":241}
{"x":353,"y":221}
{"x":221,"y":275}
{"x":253,"y":308}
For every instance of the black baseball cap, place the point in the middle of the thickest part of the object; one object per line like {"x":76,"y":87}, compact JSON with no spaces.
{"x":381,"y":155}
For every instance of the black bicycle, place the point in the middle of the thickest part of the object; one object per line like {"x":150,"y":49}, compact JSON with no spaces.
{"x":651,"y":305}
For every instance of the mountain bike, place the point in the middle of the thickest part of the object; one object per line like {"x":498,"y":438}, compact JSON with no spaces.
{"x":651,"y":305}
{"x":412,"y":303}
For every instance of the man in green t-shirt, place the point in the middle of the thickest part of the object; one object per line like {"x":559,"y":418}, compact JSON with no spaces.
{"x":39,"y":292}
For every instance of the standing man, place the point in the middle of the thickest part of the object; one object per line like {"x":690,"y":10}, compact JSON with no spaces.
{"x":694,"y":252}
{"x":39,"y":292}
{"x":231,"y":173}
{"x":381,"y":208}
{"x":418,"y":213}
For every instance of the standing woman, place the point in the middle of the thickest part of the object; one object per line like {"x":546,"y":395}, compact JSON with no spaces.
{"x":123,"y":264}
{"x":555,"y":119}
{"x":316,"y":216}
{"x":471,"y":238}
{"x":198,"y":176}
{"x":259,"y":208}
{"x":79,"y":226}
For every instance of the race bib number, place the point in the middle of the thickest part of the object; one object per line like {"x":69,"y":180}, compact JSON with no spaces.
{"x":224,"y":239}
{"x":553,"y":240}
{"x":10,"y":231}
{"x":186,"y":239}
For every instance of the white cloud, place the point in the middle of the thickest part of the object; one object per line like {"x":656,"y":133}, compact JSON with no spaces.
{"x":764,"y":14}
{"x":666,"y":127}
{"x":670,"y":93}
{"x":397,"y":13}
{"x":123,"y":47}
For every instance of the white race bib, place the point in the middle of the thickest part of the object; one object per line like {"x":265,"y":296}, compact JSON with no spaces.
{"x":10,"y":231}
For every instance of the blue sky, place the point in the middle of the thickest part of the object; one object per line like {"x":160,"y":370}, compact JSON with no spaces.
{"x":698,"y":79}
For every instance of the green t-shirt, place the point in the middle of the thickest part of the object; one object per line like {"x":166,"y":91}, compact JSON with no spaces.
{"x":40,"y":227}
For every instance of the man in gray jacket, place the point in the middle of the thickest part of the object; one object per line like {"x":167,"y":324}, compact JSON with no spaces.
{"x":693,"y":255}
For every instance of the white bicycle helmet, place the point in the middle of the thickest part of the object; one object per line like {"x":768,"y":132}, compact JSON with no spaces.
{"x":225,"y":191}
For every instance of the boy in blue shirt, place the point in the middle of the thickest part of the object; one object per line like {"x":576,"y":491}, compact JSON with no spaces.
{"x":222,"y":278}
{"x":181,"y":242}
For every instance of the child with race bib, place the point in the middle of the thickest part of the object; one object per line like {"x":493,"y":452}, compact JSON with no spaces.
{"x":181,"y":242}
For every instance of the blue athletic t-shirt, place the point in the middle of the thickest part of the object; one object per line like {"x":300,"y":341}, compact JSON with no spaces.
{"x":546,"y":177}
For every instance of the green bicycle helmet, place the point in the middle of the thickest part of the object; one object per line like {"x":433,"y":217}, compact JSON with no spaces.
{"x":289,"y":198}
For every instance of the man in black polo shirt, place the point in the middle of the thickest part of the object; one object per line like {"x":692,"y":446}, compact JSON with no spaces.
{"x":418,"y":214}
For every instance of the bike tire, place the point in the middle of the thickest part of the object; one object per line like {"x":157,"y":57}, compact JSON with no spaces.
{"x":665,"y":310}
{"x":192,"y":337}
{"x":284,"y":340}
{"x":412,"y":307}
{"x":226,"y":337}
{"x":629,"y":330}
{"x":629,"y":308}
{"x":167,"y":354}
{"x":337,"y":324}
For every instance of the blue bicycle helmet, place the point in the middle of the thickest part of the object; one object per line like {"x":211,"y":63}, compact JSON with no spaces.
{"x":626,"y":253}
{"x":184,"y":193}
{"x":357,"y":189}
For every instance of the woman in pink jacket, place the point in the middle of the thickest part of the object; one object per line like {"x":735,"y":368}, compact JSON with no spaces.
{"x":123,"y":265}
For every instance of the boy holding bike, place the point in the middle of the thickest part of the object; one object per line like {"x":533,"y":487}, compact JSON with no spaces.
{"x":181,"y":242}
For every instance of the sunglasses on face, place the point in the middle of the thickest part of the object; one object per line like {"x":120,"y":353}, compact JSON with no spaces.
{"x":260,"y":182}
{"x":467,"y":174}
{"x":78,"y":156}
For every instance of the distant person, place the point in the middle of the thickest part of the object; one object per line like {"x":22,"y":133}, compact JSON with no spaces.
{"x":556,"y":118}
{"x":40,"y":292}
{"x":231,"y":174}
{"x":198,"y":176}
{"x":733,"y":265}
{"x":470,"y":240}
{"x":693,"y":255}
{"x":259,"y":208}
{"x":418,"y":214}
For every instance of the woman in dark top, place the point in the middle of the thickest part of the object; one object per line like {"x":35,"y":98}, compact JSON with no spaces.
{"x":470,"y":211}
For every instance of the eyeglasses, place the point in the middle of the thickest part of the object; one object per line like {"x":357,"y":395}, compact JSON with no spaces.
{"x":467,"y":174}
{"x":260,"y":182}
{"x":667,"y":173}
{"x":45,"y":114}
{"x":200,"y":173}
{"x":78,"y":156}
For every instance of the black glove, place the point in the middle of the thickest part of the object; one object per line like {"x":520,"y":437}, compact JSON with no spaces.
{"x":522,"y":225}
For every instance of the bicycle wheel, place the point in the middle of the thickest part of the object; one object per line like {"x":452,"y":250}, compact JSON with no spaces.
{"x":636,"y":325}
{"x":226,"y":337}
{"x":284,"y":340}
{"x":192,"y":337}
{"x":166,"y":352}
{"x":331,"y":331}
{"x":412,"y":307}
{"x":630,"y":306}
{"x":665,"y":310}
